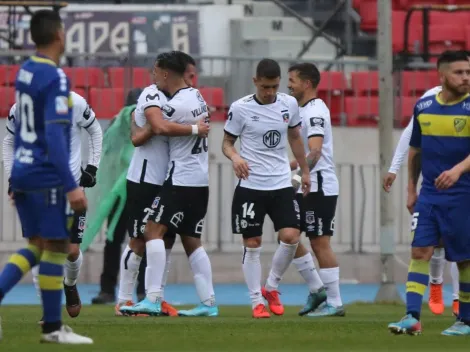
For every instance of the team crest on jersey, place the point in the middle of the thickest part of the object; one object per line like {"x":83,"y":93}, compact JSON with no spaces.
{"x":459,"y":124}
{"x":168,"y":110}
{"x":81,"y":223}
{"x":285,"y":117}
{"x":199,"y":97}
{"x":87,"y":113}
{"x":155,"y":203}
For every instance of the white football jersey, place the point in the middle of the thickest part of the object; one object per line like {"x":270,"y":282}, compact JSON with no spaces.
{"x":263,"y":132}
{"x":149,"y":162}
{"x":189,"y":158}
{"x":316,"y":122}
{"x":82,"y":117}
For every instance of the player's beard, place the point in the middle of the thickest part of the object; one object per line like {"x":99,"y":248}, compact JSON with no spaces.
{"x":457,"y":91}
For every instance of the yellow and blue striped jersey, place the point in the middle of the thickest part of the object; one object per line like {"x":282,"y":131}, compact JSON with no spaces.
{"x":442,"y":132}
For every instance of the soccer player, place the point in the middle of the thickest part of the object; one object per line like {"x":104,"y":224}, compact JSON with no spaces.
{"x":265,"y":122}
{"x":156,"y":153}
{"x":181,"y":204}
{"x":318,"y":208}
{"x":83,"y":118}
{"x":439,"y":149}
{"x":43,"y":185}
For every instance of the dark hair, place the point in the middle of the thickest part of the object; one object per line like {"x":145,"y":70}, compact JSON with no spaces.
{"x":307,"y":72}
{"x":171,"y":61}
{"x":268,"y":68}
{"x":132,"y":96}
{"x":188,"y":59}
{"x":450,"y":56}
{"x":44,"y":26}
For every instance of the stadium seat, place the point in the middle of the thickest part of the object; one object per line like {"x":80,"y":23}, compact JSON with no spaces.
{"x":467,"y":37}
{"x":85,"y":77}
{"x":106,"y":102}
{"x":7,"y":99}
{"x":362,"y":111}
{"x":8,"y":74}
{"x":214,"y":98}
{"x":446,"y":37}
{"x":415,"y":32}
{"x":408,"y":3}
{"x":365,"y":83}
{"x":460,"y":18}
{"x":141,"y":77}
{"x":415,"y":83}
{"x":332,"y":89}
{"x":404,"y":107}
{"x":368,"y":13}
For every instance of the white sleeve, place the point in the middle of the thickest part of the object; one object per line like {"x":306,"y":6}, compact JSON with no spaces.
{"x":402,"y":148}
{"x":10,"y":123}
{"x":295,"y":120}
{"x":95,"y":142}
{"x":149,"y":98}
{"x":8,"y":150}
{"x":85,"y":114}
{"x":234,"y":123}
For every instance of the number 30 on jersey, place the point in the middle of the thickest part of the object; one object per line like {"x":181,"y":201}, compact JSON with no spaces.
{"x":25,"y":115}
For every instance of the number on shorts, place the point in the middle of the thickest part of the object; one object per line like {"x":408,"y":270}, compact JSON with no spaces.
{"x":147,"y":212}
{"x":248,"y":210}
{"x":25,"y":109}
{"x":414,"y":221}
{"x":198,"y":148}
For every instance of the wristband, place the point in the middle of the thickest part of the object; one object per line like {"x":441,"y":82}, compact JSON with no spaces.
{"x":195,"y":129}
{"x":297,"y":178}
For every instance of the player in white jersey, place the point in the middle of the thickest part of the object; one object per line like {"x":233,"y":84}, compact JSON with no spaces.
{"x":182,"y":203}
{"x":83,"y":119}
{"x":266,"y":123}
{"x":147,"y":172}
{"x":318,"y":208}
{"x":437,"y":263}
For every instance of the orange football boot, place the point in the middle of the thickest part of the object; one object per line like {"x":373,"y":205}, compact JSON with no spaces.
{"x":274,"y":303}
{"x":117,"y":312}
{"x":436,"y":302}
{"x":168,"y":309}
{"x":455,"y":307}
{"x":260,"y":312}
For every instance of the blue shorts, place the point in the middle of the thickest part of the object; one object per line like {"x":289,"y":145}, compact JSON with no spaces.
{"x":449,"y":225}
{"x":43,"y":213}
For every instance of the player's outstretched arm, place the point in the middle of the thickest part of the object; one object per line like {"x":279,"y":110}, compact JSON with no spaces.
{"x":161,"y":126}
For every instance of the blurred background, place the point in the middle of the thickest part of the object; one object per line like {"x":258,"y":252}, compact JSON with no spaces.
{"x":112,"y":45}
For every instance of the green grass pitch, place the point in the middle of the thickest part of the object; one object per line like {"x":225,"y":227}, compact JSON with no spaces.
{"x":363,"y":329}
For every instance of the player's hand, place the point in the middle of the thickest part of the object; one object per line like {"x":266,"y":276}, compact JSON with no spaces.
{"x":240,"y":167}
{"x":77,"y":199}
{"x":388,"y":181}
{"x":88,"y":178}
{"x":203,"y":128}
{"x":448,"y":178}
{"x":411,"y":201}
{"x":305,"y":182}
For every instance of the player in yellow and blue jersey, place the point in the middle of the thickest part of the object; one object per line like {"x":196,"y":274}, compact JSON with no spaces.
{"x":439,"y":150}
{"x":42,"y":183}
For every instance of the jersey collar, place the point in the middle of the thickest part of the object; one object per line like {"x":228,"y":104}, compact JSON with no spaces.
{"x":260,"y":103}
{"x":439,"y":100}
{"x":307,"y":102}
{"x":42,"y":59}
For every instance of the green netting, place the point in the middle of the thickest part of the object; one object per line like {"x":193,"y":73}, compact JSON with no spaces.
{"x":110,"y":190}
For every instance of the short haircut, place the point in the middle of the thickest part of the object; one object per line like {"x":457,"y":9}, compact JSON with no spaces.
{"x":268,"y":68}
{"x":171,"y":61}
{"x":307,"y":72}
{"x":44,"y":26}
{"x":448,"y":57}
{"x":188,"y":59}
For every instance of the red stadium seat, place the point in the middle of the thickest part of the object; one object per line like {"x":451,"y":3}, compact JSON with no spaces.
{"x":446,"y":37}
{"x":141,"y":77}
{"x":85,"y":77}
{"x":106,"y":102}
{"x":332,"y":89}
{"x":415,"y":83}
{"x":214,"y":97}
{"x":404,"y":108}
{"x":467,"y":37}
{"x":415,"y":31}
{"x":368,"y":13}
{"x":362,"y":111}
{"x":7,"y":99}
{"x":8,"y":74}
{"x":439,"y":18}
{"x":365,"y":83}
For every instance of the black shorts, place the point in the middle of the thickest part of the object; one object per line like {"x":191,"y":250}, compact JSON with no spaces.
{"x":250,"y":206}
{"x":142,"y":200}
{"x":77,"y":227}
{"x":317,"y":213}
{"x":182,"y":209}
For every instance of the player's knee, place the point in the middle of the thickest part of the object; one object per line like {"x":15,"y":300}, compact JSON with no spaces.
{"x":37,"y":242}
{"x":74,"y":252}
{"x":463,"y":265}
{"x":137,"y":245}
{"x":57,"y":246}
{"x":320,"y":244}
{"x":154,"y":231}
{"x":300,"y":251}
{"x":289,"y":235}
{"x":252,"y":242}
{"x":422,"y":253}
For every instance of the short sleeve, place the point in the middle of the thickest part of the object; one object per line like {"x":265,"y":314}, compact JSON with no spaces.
{"x":415,"y":140}
{"x":170,"y":112}
{"x":58,"y":101}
{"x":85,"y":114}
{"x":295,"y":120}
{"x":150,"y":98}
{"x":234,"y":123}
{"x":10,"y":123}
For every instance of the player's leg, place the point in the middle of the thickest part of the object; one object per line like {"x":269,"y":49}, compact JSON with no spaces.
{"x":454,"y":274}
{"x":248,"y":213}
{"x":167,"y":308}
{"x":284,"y":211}
{"x":436,"y":273}
{"x":73,"y":263}
{"x":426,"y":233}
{"x":197,"y":199}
